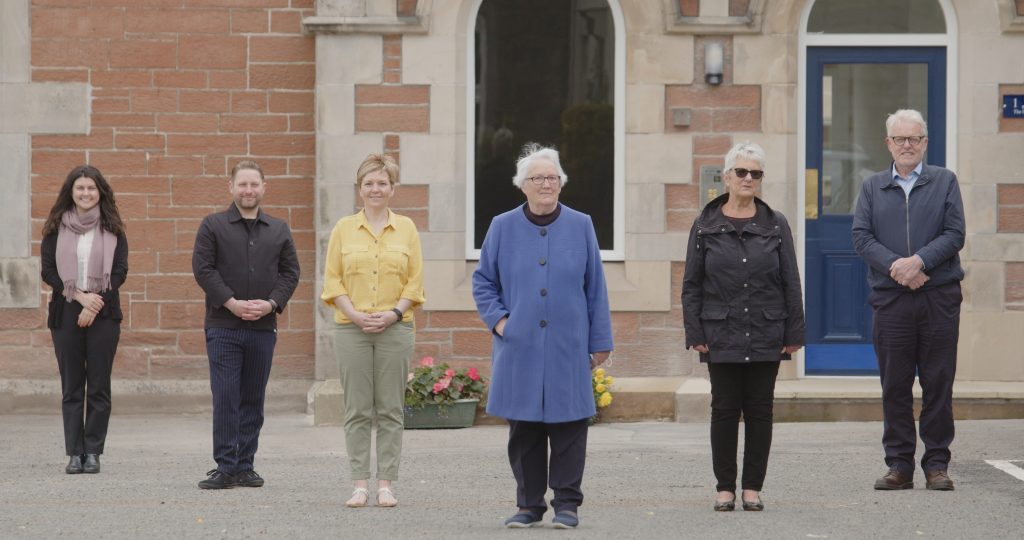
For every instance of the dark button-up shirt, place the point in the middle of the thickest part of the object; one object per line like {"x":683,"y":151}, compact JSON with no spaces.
{"x":247,"y":261}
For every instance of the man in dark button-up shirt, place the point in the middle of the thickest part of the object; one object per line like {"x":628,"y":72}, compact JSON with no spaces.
{"x":245,"y":261}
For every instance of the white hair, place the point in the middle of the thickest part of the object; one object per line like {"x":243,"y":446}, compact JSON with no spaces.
{"x":531,"y":153}
{"x":905,"y":116}
{"x":745,"y":150}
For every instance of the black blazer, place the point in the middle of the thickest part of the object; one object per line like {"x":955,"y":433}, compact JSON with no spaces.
{"x":741,"y":289}
{"x":111,"y":298}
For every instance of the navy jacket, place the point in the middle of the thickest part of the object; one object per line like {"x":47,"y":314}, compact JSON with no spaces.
{"x":741,"y":289}
{"x":889,"y":224}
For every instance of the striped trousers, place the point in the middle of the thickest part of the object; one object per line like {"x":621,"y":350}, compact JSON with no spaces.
{"x":240,"y":360}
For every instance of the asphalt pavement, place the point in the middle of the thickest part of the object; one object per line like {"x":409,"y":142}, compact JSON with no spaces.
{"x":643,"y":480}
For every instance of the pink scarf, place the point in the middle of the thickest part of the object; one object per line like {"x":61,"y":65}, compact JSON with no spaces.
{"x":101,"y":259}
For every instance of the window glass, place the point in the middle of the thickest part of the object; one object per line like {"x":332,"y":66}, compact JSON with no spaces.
{"x":877,"y":17}
{"x":545,"y":73}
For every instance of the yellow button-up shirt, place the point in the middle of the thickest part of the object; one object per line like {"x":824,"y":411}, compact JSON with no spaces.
{"x":373,"y":271}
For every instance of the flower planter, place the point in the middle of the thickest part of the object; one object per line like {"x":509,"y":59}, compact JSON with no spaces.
{"x":459,"y":414}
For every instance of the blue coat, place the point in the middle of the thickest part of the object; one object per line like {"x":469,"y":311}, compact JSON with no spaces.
{"x":550,"y":284}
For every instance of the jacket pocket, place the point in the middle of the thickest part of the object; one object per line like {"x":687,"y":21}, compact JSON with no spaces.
{"x":713,"y":321}
{"x":774,"y":328}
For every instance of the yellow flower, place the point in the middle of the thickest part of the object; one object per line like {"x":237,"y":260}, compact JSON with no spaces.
{"x":609,"y":380}
{"x":598,"y":373}
{"x":605,"y":400}
{"x":599,"y":388}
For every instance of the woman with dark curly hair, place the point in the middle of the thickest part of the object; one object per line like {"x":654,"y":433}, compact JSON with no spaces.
{"x":84,"y":258}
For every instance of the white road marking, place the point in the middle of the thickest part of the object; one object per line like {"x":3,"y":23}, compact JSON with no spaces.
{"x":1008,"y":467}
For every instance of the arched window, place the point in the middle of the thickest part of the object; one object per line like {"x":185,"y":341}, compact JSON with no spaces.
{"x":877,"y":17}
{"x":546,"y":72}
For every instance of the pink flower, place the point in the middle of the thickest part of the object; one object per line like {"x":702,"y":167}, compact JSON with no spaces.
{"x":449,"y":373}
{"x":438,"y":388}
{"x":473,"y":374}
{"x":427,"y":361}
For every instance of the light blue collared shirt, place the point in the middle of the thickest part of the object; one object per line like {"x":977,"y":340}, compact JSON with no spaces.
{"x":907,"y":183}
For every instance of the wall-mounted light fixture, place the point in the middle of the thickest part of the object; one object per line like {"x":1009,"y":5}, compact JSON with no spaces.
{"x":713,"y":59}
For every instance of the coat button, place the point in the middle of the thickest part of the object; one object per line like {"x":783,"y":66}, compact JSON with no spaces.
{"x":745,"y":310}
{"x":543,"y":323}
{"x":543,"y":292}
{"x":251,"y":242}
{"x":744,"y":285}
{"x":543,"y":261}
{"x":747,"y":334}
{"x":543,"y":232}
{"x":746,"y":358}
{"x":744,"y":260}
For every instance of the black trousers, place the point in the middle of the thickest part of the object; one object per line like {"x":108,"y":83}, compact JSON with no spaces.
{"x":747,"y":390}
{"x":917,"y":333}
{"x":85,"y":358}
{"x":239,"y":370}
{"x":528,"y":455}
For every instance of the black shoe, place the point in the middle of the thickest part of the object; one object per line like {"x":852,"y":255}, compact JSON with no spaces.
{"x":91,"y":464}
{"x":218,"y":480}
{"x":74,"y":465}
{"x":753,"y":506}
{"x":249,"y":478}
{"x":725,"y":506}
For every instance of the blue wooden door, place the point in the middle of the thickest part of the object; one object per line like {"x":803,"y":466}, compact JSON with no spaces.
{"x":850,"y":91}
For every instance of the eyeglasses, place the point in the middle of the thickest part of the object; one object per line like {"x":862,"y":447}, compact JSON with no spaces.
{"x":914,"y":141}
{"x":541,"y":180}
{"x":742,"y":173}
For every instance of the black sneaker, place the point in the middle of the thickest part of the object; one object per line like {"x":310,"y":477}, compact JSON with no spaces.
{"x":218,"y":480}
{"x":249,"y":478}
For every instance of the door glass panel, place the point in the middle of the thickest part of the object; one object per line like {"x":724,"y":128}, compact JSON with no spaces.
{"x":856,"y":100}
{"x":877,"y":17}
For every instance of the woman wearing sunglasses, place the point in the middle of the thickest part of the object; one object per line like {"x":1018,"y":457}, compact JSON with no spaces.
{"x":743,"y":312}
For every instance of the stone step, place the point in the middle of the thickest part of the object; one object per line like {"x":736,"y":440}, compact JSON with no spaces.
{"x":680,"y":399}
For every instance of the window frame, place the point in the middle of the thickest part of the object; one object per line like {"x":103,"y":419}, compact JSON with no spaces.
{"x":619,"y":135}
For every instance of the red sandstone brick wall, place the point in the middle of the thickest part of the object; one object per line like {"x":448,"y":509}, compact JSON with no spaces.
{"x":182,"y":89}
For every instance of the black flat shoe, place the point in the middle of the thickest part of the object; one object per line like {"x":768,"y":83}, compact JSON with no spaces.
{"x":74,"y":465}
{"x":753,"y":506}
{"x":91,"y":464}
{"x":725,"y":506}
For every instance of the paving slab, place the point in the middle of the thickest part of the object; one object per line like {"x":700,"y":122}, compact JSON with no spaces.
{"x":643,"y":480}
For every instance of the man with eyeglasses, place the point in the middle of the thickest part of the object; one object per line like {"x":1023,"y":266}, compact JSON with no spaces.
{"x":909,"y":229}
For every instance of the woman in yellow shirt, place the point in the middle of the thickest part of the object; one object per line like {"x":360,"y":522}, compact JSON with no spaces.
{"x":373,"y":278}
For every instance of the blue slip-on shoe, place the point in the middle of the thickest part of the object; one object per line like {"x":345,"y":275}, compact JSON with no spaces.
{"x":523,"y":520}
{"x":565,"y":520}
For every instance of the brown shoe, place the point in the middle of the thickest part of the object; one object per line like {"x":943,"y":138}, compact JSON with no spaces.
{"x":938,"y":480}
{"x":894,"y":479}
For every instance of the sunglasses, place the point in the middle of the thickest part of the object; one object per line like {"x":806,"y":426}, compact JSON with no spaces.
{"x":742,"y":173}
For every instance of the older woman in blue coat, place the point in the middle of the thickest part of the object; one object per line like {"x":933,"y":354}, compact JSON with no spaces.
{"x":540,"y":289}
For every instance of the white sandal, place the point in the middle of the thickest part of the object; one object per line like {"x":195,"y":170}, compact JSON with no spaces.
{"x":386,"y":497}
{"x":360,"y":496}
